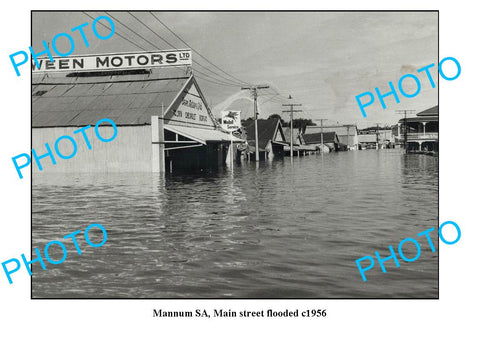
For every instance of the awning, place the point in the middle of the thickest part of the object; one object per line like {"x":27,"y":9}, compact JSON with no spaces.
{"x":203,"y":135}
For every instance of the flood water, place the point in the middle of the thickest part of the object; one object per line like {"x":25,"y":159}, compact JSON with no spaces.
{"x":272,"y":230}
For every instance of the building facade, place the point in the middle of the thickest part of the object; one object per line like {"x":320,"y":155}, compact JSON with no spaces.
{"x":347,"y":134}
{"x":326,"y":141}
{"x":419,"y":133}
{"x":163,"y":121}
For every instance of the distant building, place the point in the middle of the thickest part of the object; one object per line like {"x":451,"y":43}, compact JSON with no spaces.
{"x":367,"y":141}
{"x":347,"y":134}
{"x":271,"y":139}
{"x":306,"y":145}
{"x":421,"y":131}
{"x":330,"y":140}
{"x":371,"y":138}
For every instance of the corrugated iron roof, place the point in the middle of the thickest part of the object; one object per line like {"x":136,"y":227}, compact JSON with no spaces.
{"x":80,"y":101}
{"x":297,"y":138}
{"x":433,"y":111}
{"x":420,"y":119}
{"x":316,"y":138}
{"x":266,"y":131}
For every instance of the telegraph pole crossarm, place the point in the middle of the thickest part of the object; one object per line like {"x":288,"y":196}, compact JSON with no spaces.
{"x":321,"y":131}
{"x":405,"y":135}
{"x":253,"y":90}
{"x":291,"y":111}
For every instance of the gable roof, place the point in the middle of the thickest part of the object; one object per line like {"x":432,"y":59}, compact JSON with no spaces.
{"x":433,"y":111}
{"x":126,"y":99}
{"x":297,"y":138}
{"x":267,"y":131}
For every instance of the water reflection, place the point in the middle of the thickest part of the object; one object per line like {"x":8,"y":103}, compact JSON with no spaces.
{"x":276,"y":229}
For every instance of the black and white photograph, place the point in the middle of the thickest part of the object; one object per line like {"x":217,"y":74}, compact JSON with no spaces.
{"x":234,"y":154}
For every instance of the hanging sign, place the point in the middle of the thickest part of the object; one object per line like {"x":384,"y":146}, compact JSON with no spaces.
{"x":231,"y":120}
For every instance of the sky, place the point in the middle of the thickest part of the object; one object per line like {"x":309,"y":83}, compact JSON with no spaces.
{"x":321,"y":59}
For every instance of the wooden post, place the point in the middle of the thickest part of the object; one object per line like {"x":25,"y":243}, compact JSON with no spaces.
{"x":321,"y":133}
{"x":257,"y":157}
{"x":348,"y":138}
{"x":158,"y":145}
{"x":291,"y":132}
{"x":231,"y":149}
{"x":253,"y":90}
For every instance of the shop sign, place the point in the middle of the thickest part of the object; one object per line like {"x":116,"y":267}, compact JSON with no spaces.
{"x":231,"y":120}
{"x":114,"y":61}
{"x":191,"y":110}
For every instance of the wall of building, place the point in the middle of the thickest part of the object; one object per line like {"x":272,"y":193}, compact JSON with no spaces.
{"x":130,"y":151}
{"x":351,"y":140}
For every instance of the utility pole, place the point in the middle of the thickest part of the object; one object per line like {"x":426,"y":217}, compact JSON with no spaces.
{"x":253,"y":90}
{"x":321,"y":132}
{"x":348,"y":126}
{"x":377,"y":137}
{"x":385,"y":136}
{"x":291,"y":123}
{"x":405,"y":126}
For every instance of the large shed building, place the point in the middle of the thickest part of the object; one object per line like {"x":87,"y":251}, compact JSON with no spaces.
{"x":163,"y":121}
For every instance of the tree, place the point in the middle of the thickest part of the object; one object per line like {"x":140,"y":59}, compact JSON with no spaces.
{"x":302,"y":123}
{"x":275,"y":115}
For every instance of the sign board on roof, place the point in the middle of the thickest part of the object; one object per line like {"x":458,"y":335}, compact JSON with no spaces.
{"x":114,"y":61}
{"x":189,"y":109}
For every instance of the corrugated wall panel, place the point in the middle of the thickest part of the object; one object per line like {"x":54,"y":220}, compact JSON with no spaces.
{"x":130,"y":151}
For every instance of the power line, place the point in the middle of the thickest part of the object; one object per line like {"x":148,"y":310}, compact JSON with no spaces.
{"x":275,"y":91}
{"x":218,"y":81}
{"x":127,"y":39}
{"x":146,"y":26}
{"x":214,"y":82}
{"x":174,"y":47}
{"x":276,"y":97}
{"x":271,"y":99}
{"x":121,"y":36}
{"x":138,"y":35}
{"x":205,"y":58}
